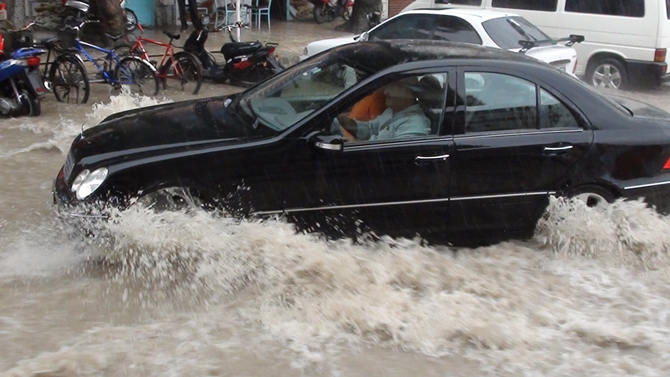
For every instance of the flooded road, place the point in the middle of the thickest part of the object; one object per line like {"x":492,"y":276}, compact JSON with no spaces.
{"x":190,"y":295}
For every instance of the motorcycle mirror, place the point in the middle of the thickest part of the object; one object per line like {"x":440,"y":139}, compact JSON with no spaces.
{"x":204,"y":19}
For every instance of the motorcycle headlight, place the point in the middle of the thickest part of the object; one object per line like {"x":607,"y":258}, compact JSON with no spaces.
{"x":87,"y":182}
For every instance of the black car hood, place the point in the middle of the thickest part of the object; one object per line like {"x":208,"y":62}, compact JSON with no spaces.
{"x":163,"y":128}
{"x":639,"y":108}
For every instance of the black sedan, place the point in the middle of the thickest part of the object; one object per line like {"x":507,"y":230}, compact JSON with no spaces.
{"x":471,"y":144}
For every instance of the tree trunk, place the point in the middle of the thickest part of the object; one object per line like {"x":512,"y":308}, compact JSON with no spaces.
{"x":358,"y":22}
{"x":112,"y":19}
{"x":10,"y":10}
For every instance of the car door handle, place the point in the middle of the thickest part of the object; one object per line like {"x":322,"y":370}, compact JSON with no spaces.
{"x":422,"y":160}
{"x":557,"y":150}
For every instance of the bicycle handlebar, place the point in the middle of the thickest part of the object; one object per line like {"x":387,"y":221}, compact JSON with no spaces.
{"x":77,"y":27}
{"x":235,"y":25}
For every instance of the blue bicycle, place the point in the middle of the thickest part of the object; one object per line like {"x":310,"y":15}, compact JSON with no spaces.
{"x":69,"y":79}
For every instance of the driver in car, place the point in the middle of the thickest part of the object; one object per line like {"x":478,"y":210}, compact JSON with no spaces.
{"x":403,"y":117}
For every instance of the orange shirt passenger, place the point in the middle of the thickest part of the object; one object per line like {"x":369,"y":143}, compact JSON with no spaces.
{"x":369,"y":107}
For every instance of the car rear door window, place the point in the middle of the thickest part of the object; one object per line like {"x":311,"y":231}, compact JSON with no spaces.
{"x":554,"y":114}
{"x":499,"y":102}
{"x":411,"y":26}
{"x":455,"y":29}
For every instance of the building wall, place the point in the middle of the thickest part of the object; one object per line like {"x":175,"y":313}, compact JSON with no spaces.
{"x":395,"y":6}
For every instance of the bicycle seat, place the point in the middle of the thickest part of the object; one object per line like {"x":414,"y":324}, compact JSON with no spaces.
{"x":114,"y":38}
{"x":171,"y":34}
{"x":48,"y":42}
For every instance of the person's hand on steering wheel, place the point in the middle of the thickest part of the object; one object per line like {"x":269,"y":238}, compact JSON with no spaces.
{"x":348,"y":127}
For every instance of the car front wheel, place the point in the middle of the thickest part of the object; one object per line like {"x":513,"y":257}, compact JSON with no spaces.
{"x":170,"y":200}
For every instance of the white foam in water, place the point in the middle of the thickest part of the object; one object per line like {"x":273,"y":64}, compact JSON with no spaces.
{"x":587,"y":296}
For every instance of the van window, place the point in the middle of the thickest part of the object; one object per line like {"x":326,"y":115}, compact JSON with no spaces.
{"x":667,"y":8}
{"x":462,"y":2}
{"x":544,"y":5}
{"x":626,"y":8}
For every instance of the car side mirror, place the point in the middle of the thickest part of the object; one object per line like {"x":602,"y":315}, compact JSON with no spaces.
{"x":327,"y":141}
{"x":364,"y":36}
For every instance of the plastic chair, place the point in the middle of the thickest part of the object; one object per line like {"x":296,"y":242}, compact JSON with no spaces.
{"x":259,"y":12}
{"x":229,"y":10}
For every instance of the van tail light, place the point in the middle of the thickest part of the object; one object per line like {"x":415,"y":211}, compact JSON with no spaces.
{"x":659,"y":55}
{"x":33,"y":61}
{"x":667,"y":164}
{"x":2,"y":44}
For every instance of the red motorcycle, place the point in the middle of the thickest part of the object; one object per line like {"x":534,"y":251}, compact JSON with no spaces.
{"x":327,"y":10}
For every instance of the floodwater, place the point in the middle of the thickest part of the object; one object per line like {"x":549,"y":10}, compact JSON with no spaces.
{"x":189,"y":295}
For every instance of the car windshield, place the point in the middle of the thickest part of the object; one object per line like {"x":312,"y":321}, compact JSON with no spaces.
{"x":290,"y":96}
{"x":507,"y":31}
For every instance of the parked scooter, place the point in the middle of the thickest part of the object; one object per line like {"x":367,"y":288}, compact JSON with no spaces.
{"x":246,"y":63}
{"x":328,"y":10}
{"x":21,"y":86}
{"x":78,"y":9}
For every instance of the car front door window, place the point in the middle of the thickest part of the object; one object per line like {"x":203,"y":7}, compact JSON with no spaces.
{"x":406,"y":108}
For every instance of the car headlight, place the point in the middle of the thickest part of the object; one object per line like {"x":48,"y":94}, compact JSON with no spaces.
{"x":87,"y":182}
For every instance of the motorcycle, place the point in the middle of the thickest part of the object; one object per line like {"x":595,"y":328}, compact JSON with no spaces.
{"x":246,"y":63}
{"x":327,"y":10}
{"x":21,"y":85}
{"x":78,"y":9}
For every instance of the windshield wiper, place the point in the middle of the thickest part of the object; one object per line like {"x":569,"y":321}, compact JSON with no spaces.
{"x":520,"y":30}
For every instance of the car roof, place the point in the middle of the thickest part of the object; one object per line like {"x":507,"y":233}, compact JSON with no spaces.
{"x":392,"y":52}
{"x":481,"y":14}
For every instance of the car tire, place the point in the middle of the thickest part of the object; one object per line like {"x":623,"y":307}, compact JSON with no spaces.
{"x":593,"y":196}
{"x":170,"y":199}
{"x":607,"y":73}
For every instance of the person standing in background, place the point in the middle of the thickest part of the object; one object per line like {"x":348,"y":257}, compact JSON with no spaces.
{"x":192,"y":9}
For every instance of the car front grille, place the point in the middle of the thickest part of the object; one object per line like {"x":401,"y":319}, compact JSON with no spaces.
{"x":69,"y":164}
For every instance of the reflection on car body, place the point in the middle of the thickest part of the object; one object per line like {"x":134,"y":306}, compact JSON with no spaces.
{"x":483,"y":172}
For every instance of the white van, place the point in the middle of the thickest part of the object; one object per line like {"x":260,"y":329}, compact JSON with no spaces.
{"x":626,"y":41}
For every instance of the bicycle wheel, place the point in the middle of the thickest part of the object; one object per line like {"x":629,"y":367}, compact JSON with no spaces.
{"x":183,"y":72}
{"x":68,"y":80}
{"x":122,"y":50}
{"x":138,"y":75}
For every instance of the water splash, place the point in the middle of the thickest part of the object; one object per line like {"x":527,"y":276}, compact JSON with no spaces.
{"x":582,"y":297}
{"x":124,"y":101}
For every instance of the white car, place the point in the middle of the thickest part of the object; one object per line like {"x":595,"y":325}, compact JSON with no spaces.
{"x":502,"y":30}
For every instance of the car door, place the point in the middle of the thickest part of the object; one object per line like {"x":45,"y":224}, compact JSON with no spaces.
{"x":515,"y":143}
{"x":396,"y":187}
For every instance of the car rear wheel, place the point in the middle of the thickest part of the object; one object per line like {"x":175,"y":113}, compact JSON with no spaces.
{"x":607,"y":73}
{"x":593,"y":196}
